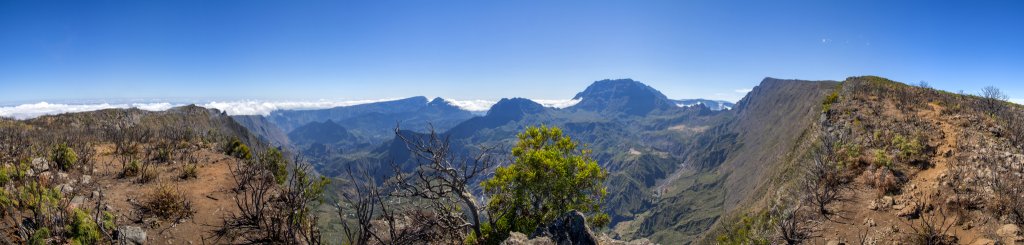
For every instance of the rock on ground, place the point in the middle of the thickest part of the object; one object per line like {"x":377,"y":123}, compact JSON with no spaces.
{"x":131,"y":235}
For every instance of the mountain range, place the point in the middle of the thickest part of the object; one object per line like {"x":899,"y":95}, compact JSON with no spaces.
{"x":863,"y":159}
{"x":653,"y":146}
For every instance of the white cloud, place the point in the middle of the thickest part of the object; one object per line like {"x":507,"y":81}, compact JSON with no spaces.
{"x":26,"y":111}
{"x":1018,"y":101}
{"x":744,"y":90}
{"x":256,"y":107}
{"x":240,"y":107}
{"x":557,"y":103}
{"x":484,"y":105}
{"x":246,"y":107}
{"x":473,"y":105}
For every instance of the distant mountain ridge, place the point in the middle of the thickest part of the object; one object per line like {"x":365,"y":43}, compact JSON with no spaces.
{"x":373,"y":123}
{"x":715,"y":105}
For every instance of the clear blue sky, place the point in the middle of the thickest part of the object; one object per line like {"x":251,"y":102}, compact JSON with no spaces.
{"x":492,"y":49}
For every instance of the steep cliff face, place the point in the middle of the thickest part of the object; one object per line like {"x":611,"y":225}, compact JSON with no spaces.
{"x":264,"y":129}
{"x":727,"y":164}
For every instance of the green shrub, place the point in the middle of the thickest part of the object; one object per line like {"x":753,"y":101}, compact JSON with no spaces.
{"x":83,"y":229}
{"x":39,"y":237}
{"x":238,"y":149}
{"x":163,"y":154}
{"x":35,"y":197}
{"x":832,"y":98}
{"x":64,"y":156}
{"x":747,"y":231}
{"x":6,"y":201}
{"x":882,"y":159}
{"x":131,"y":169}
{"x":109,"y":222}
{"x":274,"y":161}
{"x":910,"y":149}
{"x":5,"y":175}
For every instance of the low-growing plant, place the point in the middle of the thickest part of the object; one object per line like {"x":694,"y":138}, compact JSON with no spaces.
{"x":131,"y":169}
{"x":82,"y":230}
{"x":6,"y":201}
{"x":749,"y":230}
{"x":832,"y":98}
{"x":189,"y":171}
{"x":882,"y":159}
{"x":39,"y":236}
{"x":168,"y":203}
{"x":909,"y":149}
{"x":884,"y":179}
{"x":274,"y":161}
{"x":64,"y":156}
{"x":38,"y":198}
{"x":238,"y":149}
{"x":147,"y":175}
{"x":162,"y":154}
{"x":109,"y":221}
{"x":5,"y":175}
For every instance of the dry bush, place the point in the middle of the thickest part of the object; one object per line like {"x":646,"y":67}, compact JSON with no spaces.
{"x":168,"y":203}
{"x":883,"y":179}
{"x":934,"y":229}
{"x":1008,"y":196}
{"x":131,"y":169}
{"x":785,"y":215}
{"x":14,"y":143}
{"x":273,"y":214}
{"x":992,"y":99}
{"x":822,"y":181}
{"x":127,"y":137}
{"x":189,"y":171}
{"x":147,"y":174}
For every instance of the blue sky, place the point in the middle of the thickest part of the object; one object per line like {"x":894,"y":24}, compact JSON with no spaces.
{"x":74,"y":50}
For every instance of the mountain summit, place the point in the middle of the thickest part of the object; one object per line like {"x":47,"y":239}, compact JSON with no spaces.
{"x":622,"y":95}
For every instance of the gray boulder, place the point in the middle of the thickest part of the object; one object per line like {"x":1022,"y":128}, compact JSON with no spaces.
{"x":40,"y":164}
{"x":131,"y":235}
{"x":570,"y":229}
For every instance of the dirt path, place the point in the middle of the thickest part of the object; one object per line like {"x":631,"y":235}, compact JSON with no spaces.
{"x":210,"y":196}
{"x":855,"y":220}
{"x":948,"y":144}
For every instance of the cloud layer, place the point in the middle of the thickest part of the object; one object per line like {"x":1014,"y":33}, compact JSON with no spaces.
{"x":26,"y":111}
{"x":472,"y":105}
{"x":242,"y":107}
{"x":256,"y":107}
{"x":557,"y":103}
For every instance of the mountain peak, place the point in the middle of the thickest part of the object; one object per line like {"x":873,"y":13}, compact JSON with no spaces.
{"x":438,"y":100}
{"x":622,"y":95}
{"x":514,"y":107}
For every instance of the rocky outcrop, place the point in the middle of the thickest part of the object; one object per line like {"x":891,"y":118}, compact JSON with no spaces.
{"x":570,"y":229}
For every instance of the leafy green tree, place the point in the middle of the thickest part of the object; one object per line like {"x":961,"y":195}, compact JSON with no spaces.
{"x":550,"y":175}
{"x":64,"y":156}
